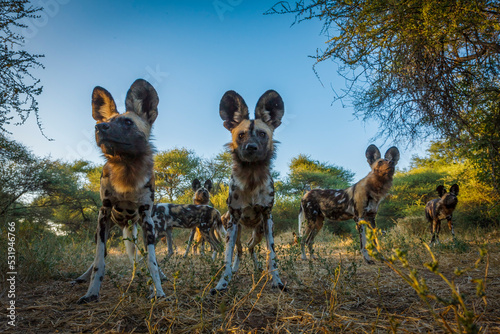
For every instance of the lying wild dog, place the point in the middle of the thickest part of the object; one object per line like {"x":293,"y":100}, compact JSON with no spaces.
{"x":127,"y":179}
{"x":358,"y":202}
{"x":441,"y":208}
{"x":251,"y":187}
{"x":203,"y":217}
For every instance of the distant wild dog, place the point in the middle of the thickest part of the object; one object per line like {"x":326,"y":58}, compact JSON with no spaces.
{"x":441,"y":208}
{"x":358,"y":202}
{"x":127,"y":179}
{"x":201,"y":197}
{"x":203,"y":217}
{"x":251,"y":187}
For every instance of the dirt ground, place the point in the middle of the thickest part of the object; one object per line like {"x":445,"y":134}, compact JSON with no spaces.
{"x":335,"y":293}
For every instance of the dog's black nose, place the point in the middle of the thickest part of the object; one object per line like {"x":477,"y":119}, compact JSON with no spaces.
{"x":251,"y":147}
{"x":102,"y":126}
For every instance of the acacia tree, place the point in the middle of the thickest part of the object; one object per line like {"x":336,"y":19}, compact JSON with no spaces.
{"x":18,"y":87}
{"x":306,"y":173}
{"x":174,"y":171}
{"x":420,"y":67}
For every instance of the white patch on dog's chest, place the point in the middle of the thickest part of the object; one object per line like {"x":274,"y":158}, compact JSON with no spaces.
{"x":372,"y":206}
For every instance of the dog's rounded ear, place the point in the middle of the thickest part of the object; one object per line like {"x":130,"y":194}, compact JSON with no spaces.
{"x":270,"y":108}
{"x":392,"y":154}
{"x":441,"y":190}
{"x":143,"y":100}
{"x":372,"y":154}
{"x":454,"y":189}
{"x":103,"y":105}
{"x":196,"y":185}
{"x":208,"y":185}
{"x":232,"y":109}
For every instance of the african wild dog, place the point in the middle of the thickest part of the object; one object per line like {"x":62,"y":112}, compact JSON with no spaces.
{"x":127,"y":179}
{"x":358,"y":202}
{"x":201,"y":197}
{"x":204,"y":217}
{"x":441,"y":208}
{"x":251,"y":187}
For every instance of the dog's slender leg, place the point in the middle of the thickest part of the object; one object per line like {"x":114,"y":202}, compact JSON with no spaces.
{"x":239,"y":252}
{"x":98,"y":267}
{"x":450,"y":225}
{"x":303,"y":232}
{"x":129,"y":238}
{"x":362,"y":239}
{"x":257,"y":235}
{"x":202,"y":246}
{"x":208,"y":234}
{"x":170,"y":242}
{"x":149,"y":243}
{"x":272,"y":265}
{"x":231,"y":237}
{"x":85,"y":276}
{"x":312,"y":231}
{"x":433,"y":233}
{"x":438,"y":229}
{"x":190,"y":241}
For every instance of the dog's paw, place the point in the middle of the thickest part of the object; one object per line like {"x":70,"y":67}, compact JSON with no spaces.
{"x":77,"y":281}
{"x":88,"y":299}
{"x":215,"y":291}
{"x":280,"y":286}
{"x":152,"y":297}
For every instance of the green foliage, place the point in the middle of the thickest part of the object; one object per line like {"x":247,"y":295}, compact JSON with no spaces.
{"x":174,"y":170}
{"x":177,"y":168}
{"x":465,"y":314}
{"x":285,"y":213}
{"x":419,"y":67}
{"x":22,"y":174}
{"x":444,"y":165}
{"x":71,"y":200}
{"x":307,"y":173}
{"x":18,"y":86}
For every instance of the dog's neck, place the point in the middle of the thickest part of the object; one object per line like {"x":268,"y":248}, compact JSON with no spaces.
{"x":130,"y":173}
{"x":251,"y":175}
{"x":200,"y":202}
{"x":380,"y":184}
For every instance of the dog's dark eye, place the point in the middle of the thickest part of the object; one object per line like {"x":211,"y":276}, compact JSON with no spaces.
{"x":241,"y":135}
{"x":262,"y":134}
{"x":128,"y":122}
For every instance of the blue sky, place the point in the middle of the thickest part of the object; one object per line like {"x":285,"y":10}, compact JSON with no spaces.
{"x":192,"y":52}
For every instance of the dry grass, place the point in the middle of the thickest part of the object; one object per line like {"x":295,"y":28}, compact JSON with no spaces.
{"x":336,"y":293}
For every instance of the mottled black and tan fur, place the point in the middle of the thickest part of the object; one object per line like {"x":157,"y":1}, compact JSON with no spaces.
{"x":251,"y":187}
{"x":201,"y":197}
{"x":358,"y":202}
{"x":127,"y":180}
{"x":441,"y":208}
{"x":203,"y":217}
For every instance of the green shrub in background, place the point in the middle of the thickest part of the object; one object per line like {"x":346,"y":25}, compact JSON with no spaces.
{"x":285,"y":213}
{"x":412,"y":189}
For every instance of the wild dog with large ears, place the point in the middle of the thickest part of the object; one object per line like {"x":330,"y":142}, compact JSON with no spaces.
{"x":127,"y":179}
{"x":251,"y":188}
{"x":359,"y":202}
{"x":441,"y":208}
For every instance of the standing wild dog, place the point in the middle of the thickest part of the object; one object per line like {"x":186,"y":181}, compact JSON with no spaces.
{"x":358,"y":202}
{"x":127,"y":179}
{"x":251,"y":188}
{"x":201,"y":197}
{"x":203,"y":217}
{"x":441,"y":208}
